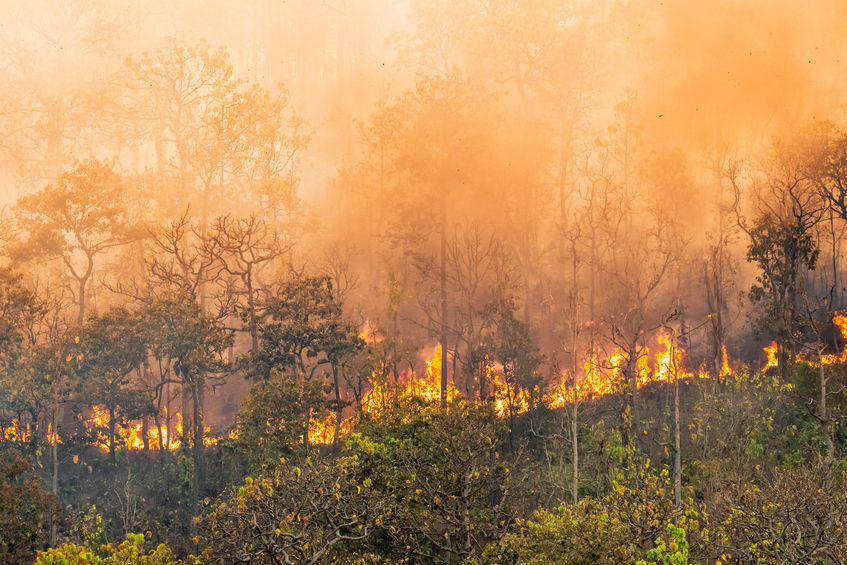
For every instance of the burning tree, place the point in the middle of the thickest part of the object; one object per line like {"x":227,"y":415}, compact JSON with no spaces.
{"x":304,"y":337}
{"x":783,"y":245}
{"x":188,"y":348}
{"x":108,"y":351}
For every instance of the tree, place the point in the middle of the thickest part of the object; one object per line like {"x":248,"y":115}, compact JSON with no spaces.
{"x":581,"y":534}
{"x":767,"y":522}
{"x":76,"y":220}
{"x":108,"y":350}
{"x":788,"y":206}
{"x":440,"y":146}
{"x":514,"y":349}
{"x":244,"y":246}
{"x":19,"y":310}
{"x":318,"y":512}
{"x":25,"y":509}
{"x":189,"y":348}
{"x":446,"y":475}
{"x":642,"y":243}
{"x":303,"y":334}
{"x":129,"y":552}
{"x":179,"y":83}
{"x":53,"y":59}
{"x":215,"y":134}
{"x":269,"y":425}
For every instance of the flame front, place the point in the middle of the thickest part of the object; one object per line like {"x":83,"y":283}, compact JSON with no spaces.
{"x":427,"y":387}
{"x":132,"y":436}
{"x":600,"y":376}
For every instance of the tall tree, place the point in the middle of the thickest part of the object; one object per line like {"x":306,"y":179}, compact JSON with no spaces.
{"x":76,"y":220}
{"x":787,"y":207}
{"x":304,"y":334}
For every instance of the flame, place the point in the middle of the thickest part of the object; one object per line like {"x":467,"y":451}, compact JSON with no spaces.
{"x":132,"y":436}
{"x":666,"y":361}
{"x":669,"y":363}
{"x":725,"y":370}
{"x":370,"y":333}
{"x":597,"y":380}
{"x":52,"y":436}
{"x":15,"y":432}
{"x":427,"y":387}
{"x":772,"y":360}
{"x":322,"y":431}
{"x":839,"y":320}
{"x":601,"y":377}
{"x":507,"y":399}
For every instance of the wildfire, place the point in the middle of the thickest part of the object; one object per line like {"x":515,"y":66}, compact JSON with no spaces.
{"x":426,"y":387}
{"x":725,"y":370}
{"x":507,"y":399}
{"x":15,"y":432}
{"x":604,"y":377}
{"x":839,"y":320}
{"x":369,"y":333}
{"x":132,"y":435}
{"x":597,"y":381}
{"x":600,"y":376}
{"x":322,"y":431}
{"x":772,"y":360}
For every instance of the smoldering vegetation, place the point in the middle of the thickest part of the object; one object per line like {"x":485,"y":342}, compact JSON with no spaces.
{"x":577,"y":239}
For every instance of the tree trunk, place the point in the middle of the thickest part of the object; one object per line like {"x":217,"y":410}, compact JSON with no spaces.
{"x":54,"y":450}
{"x":251,"y":305}
{"x":337,"y":404}
{"x":575,"y":322}
{"x":306,"y":422}
{"x":197,"y":447}
{"x":634,"y":414}
{"x":825,"y":424}
{"x":677,"y":455}
{"x":443,"y":235}
{"x":145,"y":435}
{"x":80,"y":318}
{"x":112,"y":434}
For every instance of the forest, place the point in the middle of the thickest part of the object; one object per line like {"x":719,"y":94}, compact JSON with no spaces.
{"x":423,"y":281}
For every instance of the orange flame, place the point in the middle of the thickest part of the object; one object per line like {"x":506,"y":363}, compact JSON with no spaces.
{"x":772,"y":360}
{"x":508,"y":399}
{"x":603,"y":377}
{"x":15,"y":432}
{"x":427,"y":387}
{"x":839,"y":320}
{"x":322,"y":431}
{"x":725,"y":370}
{"x":132,"y":436}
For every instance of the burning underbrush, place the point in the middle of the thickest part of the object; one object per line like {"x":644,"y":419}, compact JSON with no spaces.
{"x":602,"y":374}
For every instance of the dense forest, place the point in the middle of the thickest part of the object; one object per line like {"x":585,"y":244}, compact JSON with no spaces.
{"x":423,"y":281}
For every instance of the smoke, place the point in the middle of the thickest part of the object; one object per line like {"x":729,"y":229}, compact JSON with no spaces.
{"x":712,"y":71}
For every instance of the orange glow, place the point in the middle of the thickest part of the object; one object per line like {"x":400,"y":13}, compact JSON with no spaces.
{"x":772,"y":360}
{"x":427,"y":387}
{"x":17,"y":433}
{"x":725,"y":370}
{"x":604,"y":377}
{"x":839,"y":320}
{"x":322,"y":431}
{"x":132,"y":436}
{"x":506,"y":397}
{"x":52,"y":436}
{"x":369,"y":333}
